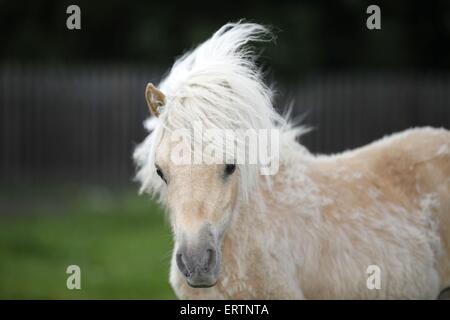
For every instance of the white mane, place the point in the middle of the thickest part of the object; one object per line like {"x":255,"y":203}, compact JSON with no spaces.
{"x":219,"y":84}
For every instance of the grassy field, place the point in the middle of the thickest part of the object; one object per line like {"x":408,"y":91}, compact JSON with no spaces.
{"x":119,"y":240}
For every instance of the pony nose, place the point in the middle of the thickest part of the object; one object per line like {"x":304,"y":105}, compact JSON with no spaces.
{"x":198,"y":268}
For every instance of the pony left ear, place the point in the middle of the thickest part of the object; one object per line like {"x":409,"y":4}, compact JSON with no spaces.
{"x":155,"y":99}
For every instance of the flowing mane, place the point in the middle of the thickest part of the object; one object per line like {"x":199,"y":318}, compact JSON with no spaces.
{"x":219,"y":84}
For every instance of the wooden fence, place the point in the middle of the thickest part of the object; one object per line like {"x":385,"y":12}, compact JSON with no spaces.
{"x":80,"y":124}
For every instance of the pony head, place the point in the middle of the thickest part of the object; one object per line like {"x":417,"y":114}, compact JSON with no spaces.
{"x":197,"y":158}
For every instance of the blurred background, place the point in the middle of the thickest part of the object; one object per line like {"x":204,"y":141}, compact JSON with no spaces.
{"x":72,"y":106}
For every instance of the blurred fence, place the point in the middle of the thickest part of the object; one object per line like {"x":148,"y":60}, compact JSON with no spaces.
{"x":348,"y":111}
{"x":75,"y":124}
{"x":80,"y":124}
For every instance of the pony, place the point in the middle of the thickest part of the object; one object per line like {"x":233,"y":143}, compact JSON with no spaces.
{"x":370,"y":223}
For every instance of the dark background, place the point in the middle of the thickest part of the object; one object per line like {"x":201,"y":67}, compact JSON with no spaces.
{"x":314,"y":35}
{"x":72,"y":106}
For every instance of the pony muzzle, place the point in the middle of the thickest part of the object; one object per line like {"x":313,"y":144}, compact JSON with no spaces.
{"x":199,"y":264}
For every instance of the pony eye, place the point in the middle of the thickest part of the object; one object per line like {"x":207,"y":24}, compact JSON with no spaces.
{"x":160,"y":174}
{"x":229,"y":169}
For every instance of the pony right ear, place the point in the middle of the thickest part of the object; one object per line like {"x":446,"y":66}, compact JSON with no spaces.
{"x":155,"y":99}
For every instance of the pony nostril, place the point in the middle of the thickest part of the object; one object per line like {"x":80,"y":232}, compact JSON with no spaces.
{"x":210,"y":260}
{"x":182,"y":266}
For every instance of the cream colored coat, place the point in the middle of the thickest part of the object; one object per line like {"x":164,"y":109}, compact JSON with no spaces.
{"x":328,"y":218}
{"x":325,"y":221}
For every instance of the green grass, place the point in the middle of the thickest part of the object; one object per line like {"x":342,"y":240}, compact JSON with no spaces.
{"x":119,"y":240}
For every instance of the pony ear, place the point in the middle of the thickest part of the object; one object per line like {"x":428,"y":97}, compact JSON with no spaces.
{"x":155,"y":99}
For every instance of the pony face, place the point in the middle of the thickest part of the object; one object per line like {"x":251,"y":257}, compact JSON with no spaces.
{"x":219,"y":88}
{"x":202,"y":200}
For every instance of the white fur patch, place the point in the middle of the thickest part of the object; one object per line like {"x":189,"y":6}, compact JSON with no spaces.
{"x":443,"y":150}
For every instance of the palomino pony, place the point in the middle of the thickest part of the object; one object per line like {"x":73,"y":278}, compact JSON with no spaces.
{"x":369,"y":223}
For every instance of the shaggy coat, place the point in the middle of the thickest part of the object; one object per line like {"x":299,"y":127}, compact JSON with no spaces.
{"x":328,"y":218}
{"x":314,"y":229}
